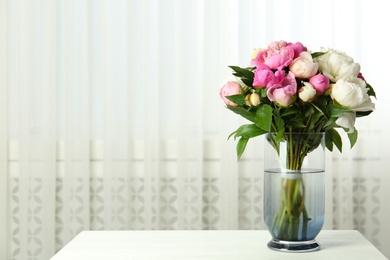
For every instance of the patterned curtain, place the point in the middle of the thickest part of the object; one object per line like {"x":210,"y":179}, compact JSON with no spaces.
{"x":110,"y":117}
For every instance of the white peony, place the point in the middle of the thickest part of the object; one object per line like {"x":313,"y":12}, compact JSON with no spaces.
{"x":307,"y":93}
{"x":352,"y":94}
{"x":337,"y":65}
{"x":347,"y":121}
{"x":303,"y":66}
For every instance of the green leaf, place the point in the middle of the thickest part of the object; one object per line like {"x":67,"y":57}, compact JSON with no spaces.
{"x":330,"y":123}
{"x":294,"y":123}
{"x":309,"y":112}
{"x":323,"y":100}
{"x":328,"y":141}
{"x":279,"y":122}
{"x":241,"y":72}
{"x":232,"y":134}
{"x":298,"y":117}
{"x":320,"y":105}
{"x":363,"y":113}
{"x":248,"y":114}
{"x":291,"y":110}
{"x":314,"y":119}
{"x":336,"y":139}
{"x":264,"y":92}
{"x":279,"y":136}
{"x":337,"y":111}
{"x":321,"y":109}
{"x":353,"y":137}
{"x":264,"y":117}
{"x":249,"y":131}
{"x":371,"y":91}
{"x":317,"y":54}
{"x":241,"y":144}
{"x":320,"y":127}
{"x":237,"y":99}
{"x":247,"y":82}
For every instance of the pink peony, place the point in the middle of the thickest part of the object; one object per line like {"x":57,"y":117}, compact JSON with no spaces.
{"x":320,"y":83}
{"x":262,"y":78}
{"x":274,"y":58}
{"x":277,"y":45}
{"x":298,"y":48}
{"x":230,"y":89}
{"x":282,"y":89}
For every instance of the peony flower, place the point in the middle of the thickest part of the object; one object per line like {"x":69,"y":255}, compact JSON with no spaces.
{"x":352,"y":94}
{"x":320,"y":83}
{"x":255,"y":52}
{"x":347,"y":121}
{"x":253,"y":99}
{"x":282,"y":89}
{"x":277,"y":45}
{"x":337,"y":65}
{"x":262,"y":78}
{"x":298,"y":48}
{"x":239,"y":81}
{"x":303,"y":66}
{"x":229,"y":89}
{"x":307,"y":93}
{"x":274,"y":58}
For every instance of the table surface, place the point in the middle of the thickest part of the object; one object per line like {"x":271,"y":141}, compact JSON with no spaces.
{"x":202,"y":244}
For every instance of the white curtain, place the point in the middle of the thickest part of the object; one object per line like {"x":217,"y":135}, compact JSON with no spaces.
{"x":110,"y":116}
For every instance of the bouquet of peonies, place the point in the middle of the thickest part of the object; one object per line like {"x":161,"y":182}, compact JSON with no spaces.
{"x":290,"y":89}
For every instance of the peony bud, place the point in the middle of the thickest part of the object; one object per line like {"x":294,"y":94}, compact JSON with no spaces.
{"x":247,"y":101}
{"x":307,"y":93}
{"x":230,"y":89}
{"x":320,"y":83}
{"x":253,"y":99}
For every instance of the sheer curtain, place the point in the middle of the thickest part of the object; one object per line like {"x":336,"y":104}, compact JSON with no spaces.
{"x":110,"y":117}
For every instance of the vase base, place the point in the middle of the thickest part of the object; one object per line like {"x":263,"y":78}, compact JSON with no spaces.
{"x":293,"y":246}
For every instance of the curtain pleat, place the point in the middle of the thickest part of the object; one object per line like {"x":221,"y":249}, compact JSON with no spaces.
{"x":66,"y":171}
{"x":151,"y":128}
{"x":4,"y":173}
{"x":194,"y":187}
{"x":179,"y":24}
{"x":24,"y":182}
{"x":73,"y":109}
{"x":106,"y":77}
{"x":84,"y":141}
{"x":110,"y":117}
{"x":47,"y":170}
{"x":136,"y":78}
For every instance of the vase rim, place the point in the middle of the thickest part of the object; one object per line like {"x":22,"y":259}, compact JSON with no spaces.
{"x":303,"y":133}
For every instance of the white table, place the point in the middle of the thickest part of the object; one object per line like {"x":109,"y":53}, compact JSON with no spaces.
{"x":232,"y":245}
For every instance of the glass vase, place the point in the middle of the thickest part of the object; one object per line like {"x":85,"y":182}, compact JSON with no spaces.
{"x":294,"y":190}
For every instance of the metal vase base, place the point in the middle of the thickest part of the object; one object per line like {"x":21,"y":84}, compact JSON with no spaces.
{"x":293,"y":246}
